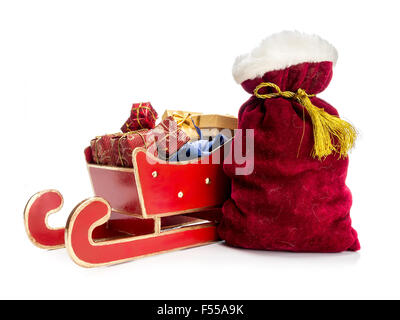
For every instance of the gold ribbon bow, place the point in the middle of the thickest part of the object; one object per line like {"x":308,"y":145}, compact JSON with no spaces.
{"x":184,"y":121}
{"x":325,"y":126}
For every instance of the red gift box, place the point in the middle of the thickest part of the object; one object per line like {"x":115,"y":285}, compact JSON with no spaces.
{"x":123,"y":146}
{"x":102,"y":148}
{"x":116,"y":150}
{"x":143,"y":116}
{"x":168,"y":137}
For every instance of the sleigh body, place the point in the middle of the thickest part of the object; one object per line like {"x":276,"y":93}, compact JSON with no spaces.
{"x":154,"y":207}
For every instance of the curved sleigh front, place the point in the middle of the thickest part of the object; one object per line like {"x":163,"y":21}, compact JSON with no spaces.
{"x":37,"y":210}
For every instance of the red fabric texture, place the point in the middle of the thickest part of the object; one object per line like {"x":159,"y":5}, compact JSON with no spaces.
{"x":116,"y":149}
{"x":291,"y":201}
{"x":143,"y":116}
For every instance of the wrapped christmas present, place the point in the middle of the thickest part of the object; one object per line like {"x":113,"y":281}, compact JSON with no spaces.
{"x":169,"y":138}
{"x":213,"y":124}
{"x":165,"y":139}
{"x":143,"y":116}
{"x":209,"y":124}
{"x":101,"y":147}
{"x":185,"y":122}
{"x":122,"y":146}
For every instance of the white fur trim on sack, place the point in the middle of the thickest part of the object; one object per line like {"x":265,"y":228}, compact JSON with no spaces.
{"x":282,"y":50}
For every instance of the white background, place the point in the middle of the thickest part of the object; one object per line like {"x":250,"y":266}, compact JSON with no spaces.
{"x":69,"y":70}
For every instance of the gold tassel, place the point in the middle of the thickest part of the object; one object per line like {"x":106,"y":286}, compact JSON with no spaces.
{"x":326,"y":127}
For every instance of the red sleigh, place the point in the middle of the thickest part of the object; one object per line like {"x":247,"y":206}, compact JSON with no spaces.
{"x":151,"y":208}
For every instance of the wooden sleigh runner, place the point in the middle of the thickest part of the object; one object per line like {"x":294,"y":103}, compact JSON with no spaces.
{"x":154,"y":207}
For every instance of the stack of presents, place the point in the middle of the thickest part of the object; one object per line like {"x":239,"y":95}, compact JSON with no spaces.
{"x":179,"y":136}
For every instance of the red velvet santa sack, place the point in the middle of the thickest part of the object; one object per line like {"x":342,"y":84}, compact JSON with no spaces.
{"x":296,"y":198}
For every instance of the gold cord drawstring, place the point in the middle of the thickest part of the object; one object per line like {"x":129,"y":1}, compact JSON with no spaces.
{"x":325,"y":125}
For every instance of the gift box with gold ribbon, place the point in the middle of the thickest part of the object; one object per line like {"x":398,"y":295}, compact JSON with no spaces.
{"x":101,"y":147}
{"x":191,"y":122}
{"x":213,"y":124}
{"x":123,"y":146}
{"x":184,"y":122}
{"x":143,"y":116}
